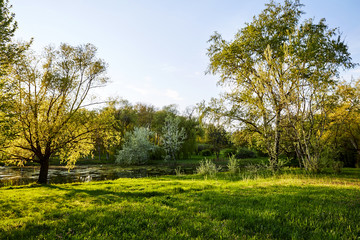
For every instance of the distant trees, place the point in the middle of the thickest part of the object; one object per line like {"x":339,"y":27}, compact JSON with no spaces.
{"x":280,"y":72}
{"x":49,"y":95}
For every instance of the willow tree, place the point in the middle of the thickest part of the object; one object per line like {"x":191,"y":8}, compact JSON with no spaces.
{"x":263,"y":65}
{"x":50,"y":95}
{"x":9,"y":52}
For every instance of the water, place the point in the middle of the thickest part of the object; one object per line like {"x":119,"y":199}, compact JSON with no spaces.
{"x":85,"y":173}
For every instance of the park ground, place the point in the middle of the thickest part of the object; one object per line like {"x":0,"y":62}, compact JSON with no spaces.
{"x":288,"y":205}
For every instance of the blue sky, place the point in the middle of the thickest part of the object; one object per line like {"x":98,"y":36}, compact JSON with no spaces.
{"x":156,"y":50}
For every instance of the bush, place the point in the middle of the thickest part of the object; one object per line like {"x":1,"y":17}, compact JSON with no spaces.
{"x":337,"y":166}
{"x":202,"y":147}
{"x":244,"y":153}
{"x":158,"y":153}
{"x":206,"y":153}
{"x":207,"y":167}
{"x":229,"y":152}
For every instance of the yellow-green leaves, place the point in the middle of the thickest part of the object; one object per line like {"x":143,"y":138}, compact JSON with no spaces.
{"x":50,"y":93}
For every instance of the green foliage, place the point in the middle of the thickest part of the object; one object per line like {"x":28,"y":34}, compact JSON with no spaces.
{"x":337,"y":166}
{"x":192,"y":130}
{"x":158,"y":153}
{"x":201,"y":147}
{"x":244,"y":153}
{"x":228,"y":152}
{"x":207,"y":167}
{"x":279,"y":74}
{"x":48,"y":105}
{"x":217,"y":137}
{"x":137,"y":147}
{"x":289,"y":206}
{"x":10,"y":51}
{"x":206,"y":153}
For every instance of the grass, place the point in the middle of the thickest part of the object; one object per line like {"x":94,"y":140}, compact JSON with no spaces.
{"x":292,"y":205}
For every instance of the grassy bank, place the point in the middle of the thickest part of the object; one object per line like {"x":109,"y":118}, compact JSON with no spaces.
{"x":288,"y":206}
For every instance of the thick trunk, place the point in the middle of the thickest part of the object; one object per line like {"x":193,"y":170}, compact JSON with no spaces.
{"x":44,"y":169}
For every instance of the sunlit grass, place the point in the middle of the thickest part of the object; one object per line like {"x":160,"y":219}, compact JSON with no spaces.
{"x":292,"y":205}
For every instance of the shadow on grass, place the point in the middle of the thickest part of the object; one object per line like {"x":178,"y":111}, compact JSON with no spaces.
{"x":273,"y":212}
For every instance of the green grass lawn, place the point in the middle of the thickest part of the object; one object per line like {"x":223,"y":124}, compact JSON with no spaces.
{"x":292,"y":205}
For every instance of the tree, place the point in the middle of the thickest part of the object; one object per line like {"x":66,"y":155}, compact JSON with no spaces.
{"x":268,"y":66}
{"x":173,"y":137}
{"x":50,"y":96}
{"x":137,"y":147}
{"x":145,"y":114}
{"x":192,"y":130}
{"x":217,"y":137}
{"x":159,"y":117}
{"x":344,"y":127}
{"x":9,"y":52}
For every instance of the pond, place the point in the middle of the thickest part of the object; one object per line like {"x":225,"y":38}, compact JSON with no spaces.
{"x":84,"y":173}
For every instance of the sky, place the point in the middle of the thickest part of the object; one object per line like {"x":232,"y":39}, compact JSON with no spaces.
{"x":156,"y":50}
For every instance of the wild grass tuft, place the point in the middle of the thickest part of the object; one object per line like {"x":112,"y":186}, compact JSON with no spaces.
{"x":207,"y":168}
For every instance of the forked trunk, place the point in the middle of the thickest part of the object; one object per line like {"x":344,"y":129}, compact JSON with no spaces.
{"x":44,"y":169}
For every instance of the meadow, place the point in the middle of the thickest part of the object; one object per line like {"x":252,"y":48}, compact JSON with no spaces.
{"x":289,"y":205}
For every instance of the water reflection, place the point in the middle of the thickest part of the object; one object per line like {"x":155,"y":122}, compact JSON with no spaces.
{"x":29,"y":174}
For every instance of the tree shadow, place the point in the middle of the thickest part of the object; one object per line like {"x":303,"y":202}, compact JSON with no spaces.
{"x":273,"y":212}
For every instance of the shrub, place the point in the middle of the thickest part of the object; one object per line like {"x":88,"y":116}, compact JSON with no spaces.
{"x":207,"y":167}
{"x":233,"y":164}
{"x":337,"y":166}
{"x":137,"y":147}
{"x":201,"y":147}
{"x":157,"y":153}
{"x":244,"y":153}
{"x":206,"y":153}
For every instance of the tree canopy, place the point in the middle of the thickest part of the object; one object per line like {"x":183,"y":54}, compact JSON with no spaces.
{"x":274,"y":67}
{"x":49,"y":97}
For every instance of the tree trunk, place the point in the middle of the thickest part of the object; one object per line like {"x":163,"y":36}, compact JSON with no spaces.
{"x":274,"y":159}
{"x":99,"y":151}
{"x":44,"y":169}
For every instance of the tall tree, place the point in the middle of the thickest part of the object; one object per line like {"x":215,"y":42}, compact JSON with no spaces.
{"x":50,"y":96}
{"x":9,"y":52}
{"x":264,"y":65}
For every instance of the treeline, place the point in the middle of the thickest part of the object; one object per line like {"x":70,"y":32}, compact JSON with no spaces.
{"x":336,"y":133}
{"x":163,"y":129}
